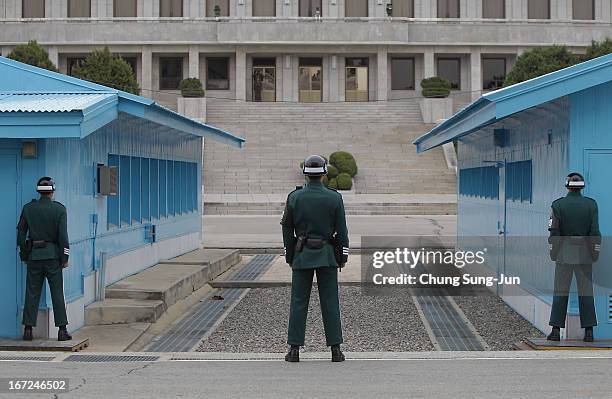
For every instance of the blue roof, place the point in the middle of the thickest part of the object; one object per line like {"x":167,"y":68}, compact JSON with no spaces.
{"x":497,"y":105}
{"x":82,"y":107}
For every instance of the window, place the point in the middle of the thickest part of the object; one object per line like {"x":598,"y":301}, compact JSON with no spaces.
{"x":217,"y":74}
{"x":355,"y":8}
{"x":170,"y":73}
{"x":450,"y":69}
{"x":264,"y":79}
{"x":152,"y":188}
{"x":403,"y":8}
{"x":356,"y":79}
{"x":402,"y":74}
{"x":125,"y":8}
{"x":583,"y":9}
{"x":448,"y":8}
{"x":72,"y":63}
{"x":519,"y":181}
{"x":171,"y":8}
{"x":33,"y":9}
{"x":494,"y":9}
{"x":79,"y":8}
{"x":482,"y":182}
{"x":218,"y":8}
{"x":264,"y":8}
{"x":310,"y":80}
{"x":539,"y":9}
{"x":132,"y":62}
{"x":493,"y":73}
{"x":310,"y":8}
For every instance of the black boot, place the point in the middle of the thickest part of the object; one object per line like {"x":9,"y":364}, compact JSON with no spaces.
{"x":293,"y":356}
{"x":27,"y":333}
{"x":555,"y":334}
{"x":337,"y":355}
{"x":62,"y":334}
{"x":588,"y":334}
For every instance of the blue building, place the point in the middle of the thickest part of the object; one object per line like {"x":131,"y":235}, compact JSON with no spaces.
{"x":515,"y":146}
{"x":55,"y":125}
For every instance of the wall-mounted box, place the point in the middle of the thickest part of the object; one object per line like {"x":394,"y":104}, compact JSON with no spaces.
{"x":108,"y":180}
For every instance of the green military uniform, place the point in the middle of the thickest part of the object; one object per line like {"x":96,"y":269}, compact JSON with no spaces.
{"x":574,"y":245}
{"x":314,"y":213}
{"x":45,"y":255}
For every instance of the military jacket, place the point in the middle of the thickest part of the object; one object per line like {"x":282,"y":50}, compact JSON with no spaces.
{"x":574,"y":230}
{"x":44,"y":222}
{"x":317,"y":212}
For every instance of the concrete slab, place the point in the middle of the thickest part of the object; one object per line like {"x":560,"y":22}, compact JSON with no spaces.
{"x":568,"y":344}
{"x":201,"y":257}
{"x":122,"y":311}
{"x":45,"y":345}
{"x":113,"y":337}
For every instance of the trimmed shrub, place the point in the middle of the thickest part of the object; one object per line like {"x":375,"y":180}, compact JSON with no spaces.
{"x":435,"y":87}
{"x":344,"y":181}
{"x":344,"y":162}
{"x":107,"y":69}
{"x":332,"y":171}
{"x":32,"y":54}
{"x":333,"y":183}
{"x":191,"y":87}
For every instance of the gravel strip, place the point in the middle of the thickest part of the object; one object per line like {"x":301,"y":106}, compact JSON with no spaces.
{"x":503,"y":330}
{"x":370,"y":324}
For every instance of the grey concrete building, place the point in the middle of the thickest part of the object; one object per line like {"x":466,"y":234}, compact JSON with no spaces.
{"x":305,"y":50}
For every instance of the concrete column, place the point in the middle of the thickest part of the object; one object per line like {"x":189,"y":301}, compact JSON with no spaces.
{"x":602,"y":11}
{"x":147,"y":71}
{"x":286,"y":69}
{"x":476,"y":74}
{"x":382,"y":90}
{"x":429,"y":69}
{"x":241,"y":69}
{"x":53,"y":55}
{"x":194,"y":62}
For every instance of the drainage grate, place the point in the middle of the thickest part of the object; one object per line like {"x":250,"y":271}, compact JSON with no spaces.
{"x":254,"y":268}
{"x":188,"y":332}
{"x":450,"y":330}
{"x":30,"y":358}
{"x":109,"y":358}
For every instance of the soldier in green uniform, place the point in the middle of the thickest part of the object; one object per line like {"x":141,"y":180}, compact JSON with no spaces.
{"x":316,"y":241}
{"x":575,"y":243}
{"x":42,"y":237}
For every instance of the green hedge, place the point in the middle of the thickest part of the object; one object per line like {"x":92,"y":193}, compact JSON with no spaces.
{"x":344,"y":162}
{"x":191,"y":87}
{"x":332,"y":171}
{"x":435,"y":87}
{"x":333,"y":183}
{"x":344,"y":181}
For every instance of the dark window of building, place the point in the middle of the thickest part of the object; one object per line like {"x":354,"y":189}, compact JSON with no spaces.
{"x":170,"y":8}
{"x":79,"y":8}
{"x":493,"y":73}
{"x":355,"y":8}
{"x":494,"y":9}
{"x":132,"y":62}
{"x":124,"y":8}
{"x":217,"y":74}
{"x":403,"y":8}
{"x":218,"y":8}
{"x":310,"y":8}
{"x":539,"y":9}
{"x":33,"y":9}
{"x":402,"y":74}
{"x":170,"y":73}
{"x":264,"y":8}
{"x":450,"y":69}
{"x":519,"y":181}
{"x":584,"y":9}
{"x":72,"y":63}
{"x":448,"y":8}
{"x":264,"y":79}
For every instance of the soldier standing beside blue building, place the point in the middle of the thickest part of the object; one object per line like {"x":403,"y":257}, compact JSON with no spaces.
{"x":575,"y":243}
{"x":42,"y":237}
{"x":316,"y":240}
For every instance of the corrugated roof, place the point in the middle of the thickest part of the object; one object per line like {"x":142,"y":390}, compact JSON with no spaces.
{"x":50,"y":102}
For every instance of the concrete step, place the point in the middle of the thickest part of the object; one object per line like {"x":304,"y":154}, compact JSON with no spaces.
{"x":143,"y":297}
{"x":276,"y":208}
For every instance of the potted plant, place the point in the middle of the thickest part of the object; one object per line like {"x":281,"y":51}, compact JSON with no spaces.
{"x":192,"y":102}
{"x":436,"y":104}
{"x":191,"y":87}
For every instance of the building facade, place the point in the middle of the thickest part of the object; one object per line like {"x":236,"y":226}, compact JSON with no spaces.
{"x":305,"y":50}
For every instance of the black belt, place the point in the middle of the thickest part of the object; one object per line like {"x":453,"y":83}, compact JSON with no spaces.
{"x":315,"y":243}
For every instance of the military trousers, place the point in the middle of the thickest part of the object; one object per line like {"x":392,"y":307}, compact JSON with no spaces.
{"x":301,"y":285}
{"x":586,"y":303}
{"x":37,"y":272}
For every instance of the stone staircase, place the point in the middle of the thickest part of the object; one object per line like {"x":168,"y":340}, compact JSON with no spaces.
{"x":280,"y":135}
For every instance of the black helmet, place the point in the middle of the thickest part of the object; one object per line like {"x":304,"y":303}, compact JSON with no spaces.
{"x":315,"y":165}
{"x":45,"y":185}
{"x":574,"y":180}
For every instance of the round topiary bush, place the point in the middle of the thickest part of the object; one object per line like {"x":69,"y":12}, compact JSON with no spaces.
{"x":435,"y":87}
{"x":333,"y":183}
{"x":332,"y":171}
{"x":191,"y":87}
{"x":344,"y":181}
{"x":344,"y":162}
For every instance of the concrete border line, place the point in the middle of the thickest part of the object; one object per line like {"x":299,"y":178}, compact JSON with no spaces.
{"x":430,"y":333}
{"x":468,"y":323}
{"x":214,"y":327}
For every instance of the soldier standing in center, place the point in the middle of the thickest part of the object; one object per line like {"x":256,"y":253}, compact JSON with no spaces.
{"x":313,"y":221}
